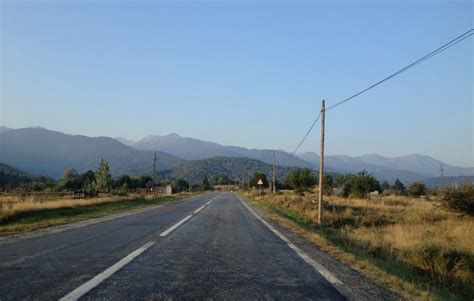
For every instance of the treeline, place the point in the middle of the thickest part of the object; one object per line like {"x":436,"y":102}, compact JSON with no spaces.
{"x":346,"y":185}
{"x":361,"y":184}
{"x":90,"y":181}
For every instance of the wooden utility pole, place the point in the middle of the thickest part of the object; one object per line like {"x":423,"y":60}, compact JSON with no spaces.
{"x":273,"y":174}
{"x":154,"y":172}
{"x":321,"y":163}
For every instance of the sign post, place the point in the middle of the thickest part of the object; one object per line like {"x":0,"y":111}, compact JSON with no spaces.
{"x":260,"y":184}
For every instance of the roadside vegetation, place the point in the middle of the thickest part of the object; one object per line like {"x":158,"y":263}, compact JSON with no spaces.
{"x":27,"y":216}
{"x":29,"y":202}
{"x":413,"y":240}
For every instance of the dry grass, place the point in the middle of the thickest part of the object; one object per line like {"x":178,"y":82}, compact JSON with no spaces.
{"x":35,"y":204}
{"x":417,"y":240}
{"x":31,"y":215}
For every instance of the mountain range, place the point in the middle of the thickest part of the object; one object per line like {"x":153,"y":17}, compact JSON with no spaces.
{"x":236,"y":169}
{"x":44,"y":152}
{"x":39,"y":151}
{"x":194,"y":149}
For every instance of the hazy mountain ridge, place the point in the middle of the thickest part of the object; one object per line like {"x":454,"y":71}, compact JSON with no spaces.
{"x":7,"y":169}
{"x":448,"y":181}
{"x":407,"y":168}
{"x":43,"y":152}
{"x":195,"y":149}
{"x":237,"y":169}
{"x":4,"y":129}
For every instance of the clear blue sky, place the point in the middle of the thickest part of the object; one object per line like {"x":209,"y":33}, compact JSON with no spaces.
{"x":243,"y":73}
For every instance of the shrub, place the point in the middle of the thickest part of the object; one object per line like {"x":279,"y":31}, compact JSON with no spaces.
{"x":399,"y":187}
{"x":417,"y":189}
{"x":301,"y":179}
{"x":460,"y":199}
{"x":363,"y":183}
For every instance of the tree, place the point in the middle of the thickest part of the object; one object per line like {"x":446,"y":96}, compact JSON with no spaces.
{"x":301,"y":179}
{"x":328,"y":184}
{"x":204,"y":184}
{"x":70,"y":180}
{"x":363,"y":183}
{"x":103,"y":178}
{"x":417,"y":189}
{"x":384,"y":185}
{"x":143,"y":180}
{"x":125,"y":182}
{"x":179,"y":185}
{"x":399,"y":187}
{"x":88,"y":183}
{"x":258,"y":176}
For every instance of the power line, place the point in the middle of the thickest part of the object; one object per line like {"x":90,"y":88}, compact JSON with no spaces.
{"x":444,"y":47}
{"x":307,"y":133}
{"x":420,"y":60}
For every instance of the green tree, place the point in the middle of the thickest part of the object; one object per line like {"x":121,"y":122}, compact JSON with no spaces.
{"x":301,"y":179}
{"x":204,"y":184}
{"x":399,"y":187}
{"x":125,"y":182}
{"x":70,"y":180}
{"x":179,"y":185}
{"x":88,"y":183}
{"x":363,"y":183}
{"x":103,"y":178}
{"x":259,"y":176}
{"x":328,"y":184}
{"x":143,"y":180}
{"x":384,"y":185}
{"x":417,"y":189}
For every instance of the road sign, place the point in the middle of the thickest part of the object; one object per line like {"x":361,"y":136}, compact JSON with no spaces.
{"x":260,"y":182}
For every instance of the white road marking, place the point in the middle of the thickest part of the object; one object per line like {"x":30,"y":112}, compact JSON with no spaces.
{"x":199,"y":209}
{"x":172,"y":228}
{"x":211,"y":200}
{"x":338,"y":284}
{"x":89,"y":285}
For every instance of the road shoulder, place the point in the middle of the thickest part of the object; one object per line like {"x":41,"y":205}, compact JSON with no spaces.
{"x":358,"y":286}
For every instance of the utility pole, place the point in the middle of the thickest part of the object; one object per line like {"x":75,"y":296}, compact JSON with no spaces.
{"x":321,"y":163}
{"x":273,"y":174}
{"x":154,"y":172}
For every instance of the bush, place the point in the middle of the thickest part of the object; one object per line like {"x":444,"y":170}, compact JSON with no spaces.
{"x":301,"y":179}
{"x":460,"y":199}
{"x":417,"y":189}
{"x":363,"y":183}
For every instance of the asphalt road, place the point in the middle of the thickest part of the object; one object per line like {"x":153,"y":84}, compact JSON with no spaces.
{"x":205,"y":247}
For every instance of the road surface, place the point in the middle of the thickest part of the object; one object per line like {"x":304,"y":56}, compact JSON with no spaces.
{"x":211,"y":246}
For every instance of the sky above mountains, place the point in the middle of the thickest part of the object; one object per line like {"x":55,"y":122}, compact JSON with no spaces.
{"x":240,"y":73}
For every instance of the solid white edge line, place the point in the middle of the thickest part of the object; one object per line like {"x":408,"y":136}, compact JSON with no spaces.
{"x":172,"y":228}
{"x":316,"y":265}
{"x":89,"y":285}
{"x":199,"y":209}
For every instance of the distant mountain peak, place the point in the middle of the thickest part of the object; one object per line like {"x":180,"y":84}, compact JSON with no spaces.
{"x":124,"y":140}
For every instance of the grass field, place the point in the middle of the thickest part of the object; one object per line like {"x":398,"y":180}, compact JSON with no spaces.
{"x":30,"y":215}
{"x":416,"y":246}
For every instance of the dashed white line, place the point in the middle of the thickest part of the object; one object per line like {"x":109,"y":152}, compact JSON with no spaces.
{"x":199,"y":209}
{"x":89,"y":285}
{"x":211,"y":200}
{"x":172,"y":228}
